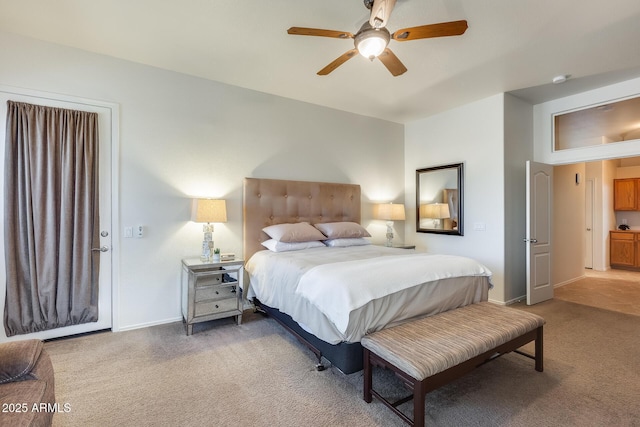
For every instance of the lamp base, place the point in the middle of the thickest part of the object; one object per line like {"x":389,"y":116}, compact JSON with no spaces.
{"x":389,"y":242}
{"x":207,"y":243}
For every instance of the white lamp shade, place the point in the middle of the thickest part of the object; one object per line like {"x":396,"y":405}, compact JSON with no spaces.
{"x":209,"y":210}
{"x":389,"y":212}
{"x":435,"y":211}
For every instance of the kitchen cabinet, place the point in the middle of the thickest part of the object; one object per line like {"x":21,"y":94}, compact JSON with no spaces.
{"x":623,"y":248}
{"x":625,"y":194}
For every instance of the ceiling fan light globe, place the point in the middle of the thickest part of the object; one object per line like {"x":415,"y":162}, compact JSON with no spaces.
{"x":371,"y":42}
{"x":371,"y":47}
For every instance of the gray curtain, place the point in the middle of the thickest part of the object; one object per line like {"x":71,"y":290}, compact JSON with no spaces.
{"x":51,"y":218}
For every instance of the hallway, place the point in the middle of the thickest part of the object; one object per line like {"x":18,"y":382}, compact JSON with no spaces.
{"x":615,"y":290}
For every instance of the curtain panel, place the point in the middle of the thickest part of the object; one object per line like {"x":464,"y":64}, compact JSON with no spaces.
{"x":51,"y":218}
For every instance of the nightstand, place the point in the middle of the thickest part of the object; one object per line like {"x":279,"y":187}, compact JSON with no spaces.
{"x":400,"y":246}
{"x":211,"y":290}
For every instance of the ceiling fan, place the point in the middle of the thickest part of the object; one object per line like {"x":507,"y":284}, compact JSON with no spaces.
{"x":372,"y":38}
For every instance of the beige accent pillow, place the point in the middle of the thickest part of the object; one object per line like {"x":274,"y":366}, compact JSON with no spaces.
{"x":296,"y":232}
{"x":341,"y":230}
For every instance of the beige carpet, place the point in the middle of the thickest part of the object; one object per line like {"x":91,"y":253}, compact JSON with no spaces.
{"x":256,"y":374}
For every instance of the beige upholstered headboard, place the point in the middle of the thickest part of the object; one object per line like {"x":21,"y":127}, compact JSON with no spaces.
{"x":273,"y":201}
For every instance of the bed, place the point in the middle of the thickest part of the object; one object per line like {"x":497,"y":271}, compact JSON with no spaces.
{"x":372,"y":287}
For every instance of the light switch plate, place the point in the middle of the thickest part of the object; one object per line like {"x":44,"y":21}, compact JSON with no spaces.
{"x":479,"y":226}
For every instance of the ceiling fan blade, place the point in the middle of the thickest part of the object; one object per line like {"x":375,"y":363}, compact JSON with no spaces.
{"x":338,"y":62}
{"x":391,"y":61}
{"x":443,"y":29}
{"x":300,"y":31}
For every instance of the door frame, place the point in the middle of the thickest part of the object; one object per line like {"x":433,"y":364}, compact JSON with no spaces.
{"x":113,"y":111}
{"x":589,"y":214}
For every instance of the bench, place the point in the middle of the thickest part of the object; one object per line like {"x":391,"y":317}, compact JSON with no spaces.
{"x":433,"y":351}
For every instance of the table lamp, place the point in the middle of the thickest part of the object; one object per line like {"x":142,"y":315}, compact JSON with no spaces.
{"x":208,"y":211}
{"x":389,"y":212}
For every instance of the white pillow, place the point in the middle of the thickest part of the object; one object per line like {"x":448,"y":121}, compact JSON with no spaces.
{"x":295,"y":232}
{"x":343,"y":243}
{"x":339,"y":230}
{"x":275,"y":246}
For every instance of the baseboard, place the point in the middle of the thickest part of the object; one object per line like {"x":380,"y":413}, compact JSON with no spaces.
{"x":566,"y":282}
{"x":148,"y":324}
{"x":512,"y":301}
{"x":524,"y":297}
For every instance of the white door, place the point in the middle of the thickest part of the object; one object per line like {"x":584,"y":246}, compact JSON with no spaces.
{"x":588,"y":216}
{"x":538,"y":239}
{"x":105,"y":114}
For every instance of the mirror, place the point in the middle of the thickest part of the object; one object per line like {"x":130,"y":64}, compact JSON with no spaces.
{"x":439,"y":199}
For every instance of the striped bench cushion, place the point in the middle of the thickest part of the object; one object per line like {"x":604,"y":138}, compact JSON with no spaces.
{"x":430,"y":345}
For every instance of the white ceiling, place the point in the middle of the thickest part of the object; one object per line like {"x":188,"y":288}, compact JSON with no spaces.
{"x":511,"y":45}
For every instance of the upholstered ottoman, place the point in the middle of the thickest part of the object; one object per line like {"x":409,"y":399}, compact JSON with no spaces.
{"x":430,"y":352}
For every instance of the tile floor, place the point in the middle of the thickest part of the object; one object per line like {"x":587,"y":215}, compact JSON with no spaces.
{"x":616,"y":290}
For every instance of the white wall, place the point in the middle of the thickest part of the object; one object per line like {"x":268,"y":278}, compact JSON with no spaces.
{"x":182,"y":136}
{"x":518,"y":144}
{"x":602,"y":173}
{"x":568,"y":224}
{"x":609,"y":168}
{"x":472,"y":134}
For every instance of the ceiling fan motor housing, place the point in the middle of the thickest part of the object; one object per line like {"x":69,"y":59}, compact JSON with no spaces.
{"x":371,"y":42}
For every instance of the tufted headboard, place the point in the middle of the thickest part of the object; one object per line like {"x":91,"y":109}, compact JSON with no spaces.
{"x":273,"y":201}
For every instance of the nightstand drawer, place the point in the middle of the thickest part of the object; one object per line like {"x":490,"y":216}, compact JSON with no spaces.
{"x":207,"y":279}
{"x":213,"y":307}
{"x":214,"y":293}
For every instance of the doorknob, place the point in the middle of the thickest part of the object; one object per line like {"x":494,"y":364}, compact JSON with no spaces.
{"x":101,"y":249}
{"x":530,"y":240}
{"x":588,"y":229}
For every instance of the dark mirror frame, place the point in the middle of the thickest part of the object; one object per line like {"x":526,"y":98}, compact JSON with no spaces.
{"x":449,"y":225}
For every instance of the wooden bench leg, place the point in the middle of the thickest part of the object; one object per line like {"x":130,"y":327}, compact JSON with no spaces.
{"x":539,"y":350}
{"x":368,"y":375}
{"x":419,"y":393}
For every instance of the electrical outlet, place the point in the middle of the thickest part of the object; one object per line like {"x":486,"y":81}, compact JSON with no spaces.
{"x":139,"y":231}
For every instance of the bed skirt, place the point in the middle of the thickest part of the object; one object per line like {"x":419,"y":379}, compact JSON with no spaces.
{"x":347,"y":357}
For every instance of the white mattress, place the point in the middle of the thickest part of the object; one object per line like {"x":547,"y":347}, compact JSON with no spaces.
{"x":274,"y":278}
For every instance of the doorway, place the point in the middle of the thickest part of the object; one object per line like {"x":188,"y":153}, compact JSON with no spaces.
{"x":581,"y":235}
{"x":588,"y":215}
{"x":107,"y":122}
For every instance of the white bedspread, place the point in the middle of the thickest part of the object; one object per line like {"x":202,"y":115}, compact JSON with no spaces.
{"x":341,"y":294}
{"x":340,"y":288}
